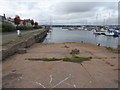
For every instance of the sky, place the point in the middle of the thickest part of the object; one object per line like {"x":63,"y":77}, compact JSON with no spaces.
{"x":62,"y":12}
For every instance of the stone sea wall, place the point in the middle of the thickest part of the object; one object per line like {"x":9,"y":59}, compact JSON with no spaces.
{"x":36,"y":38}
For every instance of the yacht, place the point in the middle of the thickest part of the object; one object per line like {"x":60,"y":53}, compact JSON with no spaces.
{"x":71,"y":28}
{"x":109,"y":33}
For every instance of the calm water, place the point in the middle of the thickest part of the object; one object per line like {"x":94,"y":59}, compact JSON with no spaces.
{"x":59,"y":35}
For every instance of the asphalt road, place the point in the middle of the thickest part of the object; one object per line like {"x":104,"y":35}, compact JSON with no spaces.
{"x":11,"y":35}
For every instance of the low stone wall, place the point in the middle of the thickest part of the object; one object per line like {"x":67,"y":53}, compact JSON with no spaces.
{"x":24,"y":44}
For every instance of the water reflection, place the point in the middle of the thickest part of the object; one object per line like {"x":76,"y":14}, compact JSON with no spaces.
{"x":59,"y":35}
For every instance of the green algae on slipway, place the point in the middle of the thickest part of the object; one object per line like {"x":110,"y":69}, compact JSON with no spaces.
{"x":76,"y":59}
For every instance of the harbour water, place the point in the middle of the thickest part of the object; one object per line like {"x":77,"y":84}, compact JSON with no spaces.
{"x":59,"y":35}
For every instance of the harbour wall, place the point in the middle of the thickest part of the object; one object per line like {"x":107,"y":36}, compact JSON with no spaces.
{"x":36,"y":38}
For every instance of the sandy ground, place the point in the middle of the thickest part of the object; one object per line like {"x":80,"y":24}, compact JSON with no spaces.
{"x":100,"y":72}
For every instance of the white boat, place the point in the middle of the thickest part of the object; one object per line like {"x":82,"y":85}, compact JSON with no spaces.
{"x":85,"y":29}
{"x":103,"y":30}
{"x":80,"y":28}
{"x":109,"y":33}
{"x":71,"y":28}
{"x":98,"y":32}
{"x":111,"y":29}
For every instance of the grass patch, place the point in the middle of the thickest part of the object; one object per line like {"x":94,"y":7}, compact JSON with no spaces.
{"x":72,"y":59}
{"x":44,"y":59}
{"x":110,"y":48}
{"x":76,"y":57}
{"x":66,"y":59}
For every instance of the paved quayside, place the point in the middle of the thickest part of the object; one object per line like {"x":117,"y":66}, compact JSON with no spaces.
{"x":100,"y":72}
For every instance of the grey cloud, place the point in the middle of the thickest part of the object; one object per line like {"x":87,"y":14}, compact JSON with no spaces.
{"x":77,"y":7}
{"x":73,"y":7}
{"x":63,"y":12}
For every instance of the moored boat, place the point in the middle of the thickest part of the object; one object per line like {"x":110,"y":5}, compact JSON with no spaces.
{"x":109,"y":33}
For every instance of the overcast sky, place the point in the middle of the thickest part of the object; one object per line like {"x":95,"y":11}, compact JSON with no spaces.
{"x":54,"y":12}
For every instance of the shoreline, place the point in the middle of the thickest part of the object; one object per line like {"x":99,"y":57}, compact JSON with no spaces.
{"x":112,"y":48}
